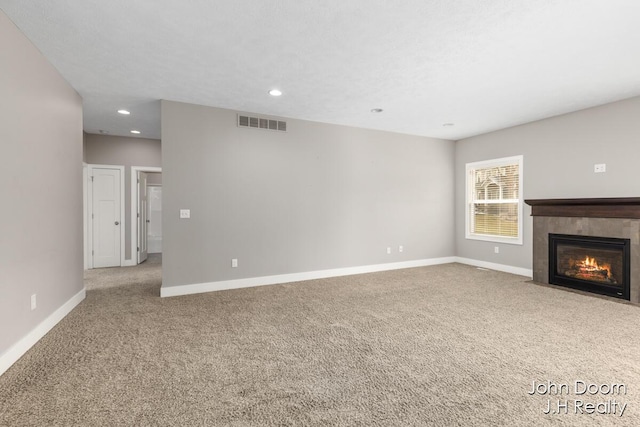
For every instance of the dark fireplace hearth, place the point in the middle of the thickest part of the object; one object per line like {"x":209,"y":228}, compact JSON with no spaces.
{"x":594,"y":264}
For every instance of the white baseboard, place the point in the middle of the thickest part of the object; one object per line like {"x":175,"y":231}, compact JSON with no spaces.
{"x":493,"y":266}
{"x":12,"y":355}
{"x":129,"y":263}
{"x":198,"y":288}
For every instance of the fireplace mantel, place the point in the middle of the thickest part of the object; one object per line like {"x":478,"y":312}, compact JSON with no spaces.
{"x":621,"y":207}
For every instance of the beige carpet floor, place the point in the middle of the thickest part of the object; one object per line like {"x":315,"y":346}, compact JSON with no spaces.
{"x":447,"y":345}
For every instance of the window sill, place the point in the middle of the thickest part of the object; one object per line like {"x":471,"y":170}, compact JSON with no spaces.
{"x":495,"y":239}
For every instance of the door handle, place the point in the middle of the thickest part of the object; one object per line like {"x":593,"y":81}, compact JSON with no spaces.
{"x":148,"y":220}
{"x":117,"y":223}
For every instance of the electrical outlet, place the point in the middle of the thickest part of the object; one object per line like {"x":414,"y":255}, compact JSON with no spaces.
{"x":185,"y":213}
{"x":496,"y":249}
{"x":400,"y":249}
{"x":388,"y":250}
{"x":600,"y":168}
{"x":234,"y":263}
{"x":33,"y":302}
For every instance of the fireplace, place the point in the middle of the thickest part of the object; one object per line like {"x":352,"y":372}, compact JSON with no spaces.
{"x":595,"y":264}
{"x":566,"y":254}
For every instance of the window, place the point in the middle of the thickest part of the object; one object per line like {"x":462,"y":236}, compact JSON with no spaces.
{"x":494,"y":200}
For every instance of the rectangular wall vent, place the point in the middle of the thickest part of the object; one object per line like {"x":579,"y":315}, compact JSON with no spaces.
{"x":261,"y":123}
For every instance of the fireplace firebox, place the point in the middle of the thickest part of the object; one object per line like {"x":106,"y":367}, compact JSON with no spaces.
{"x":595,"y":264}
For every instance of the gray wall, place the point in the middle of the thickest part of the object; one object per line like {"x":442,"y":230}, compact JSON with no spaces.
{"x":559,"y":155}
{"x":154,"y":178}
{"x":316,"y":197}
{"x":84,"y":147}
{"x":41,"y":187}
{"x":123,"y":151}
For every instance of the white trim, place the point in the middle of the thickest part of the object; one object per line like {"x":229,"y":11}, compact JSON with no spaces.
{"x":198,"y":288}
{"x":89,"y":218}
{"x":122,"y":213}
{"x":498,"y":267}
{"x":495,"y":239}
{"x":122,"y":217}
{"x":12,"y":355}
{"x":85,"y":216}
{"x":134,"y":209}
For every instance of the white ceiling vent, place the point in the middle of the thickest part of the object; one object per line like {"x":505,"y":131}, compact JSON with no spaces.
{"x":261,"y":123}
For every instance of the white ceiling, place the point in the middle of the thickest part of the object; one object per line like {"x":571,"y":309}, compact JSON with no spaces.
{"x":482,"y":65}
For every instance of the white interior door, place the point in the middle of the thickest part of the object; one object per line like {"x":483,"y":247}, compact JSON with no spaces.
{"x":154,"y":231}
{"x":143,"y":216}
{"x":106,"y":217}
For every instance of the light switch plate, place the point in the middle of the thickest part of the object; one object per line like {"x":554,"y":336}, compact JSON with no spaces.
{"x":185,"y":213}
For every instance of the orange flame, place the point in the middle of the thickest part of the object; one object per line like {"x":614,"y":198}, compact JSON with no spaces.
{"x":590,"y":264}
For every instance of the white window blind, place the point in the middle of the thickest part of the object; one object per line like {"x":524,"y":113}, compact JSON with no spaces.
{"x":494,"y":200}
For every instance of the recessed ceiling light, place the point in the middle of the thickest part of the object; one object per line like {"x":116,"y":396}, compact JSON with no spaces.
{"x":275,"y":92}
{"x":447,"y":125}
{"x":124,"y":112}
{"x":135,"y":131}
{"x":377,"y":110}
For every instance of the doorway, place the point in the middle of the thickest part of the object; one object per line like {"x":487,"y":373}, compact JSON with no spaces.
{"x":105,"y":215}
{"x":146,"y":212}
{"x":154,"y":228}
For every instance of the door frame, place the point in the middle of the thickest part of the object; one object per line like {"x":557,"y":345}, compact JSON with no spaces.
{"x":90,"y":168}
{"x":85,"y":215}
{"x":134,"y":207}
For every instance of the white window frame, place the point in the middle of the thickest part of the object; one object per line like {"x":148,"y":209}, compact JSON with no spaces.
{"x":469,"y":199}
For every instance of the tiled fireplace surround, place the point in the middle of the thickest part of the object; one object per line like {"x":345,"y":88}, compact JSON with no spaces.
{"x":610,"y":217}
